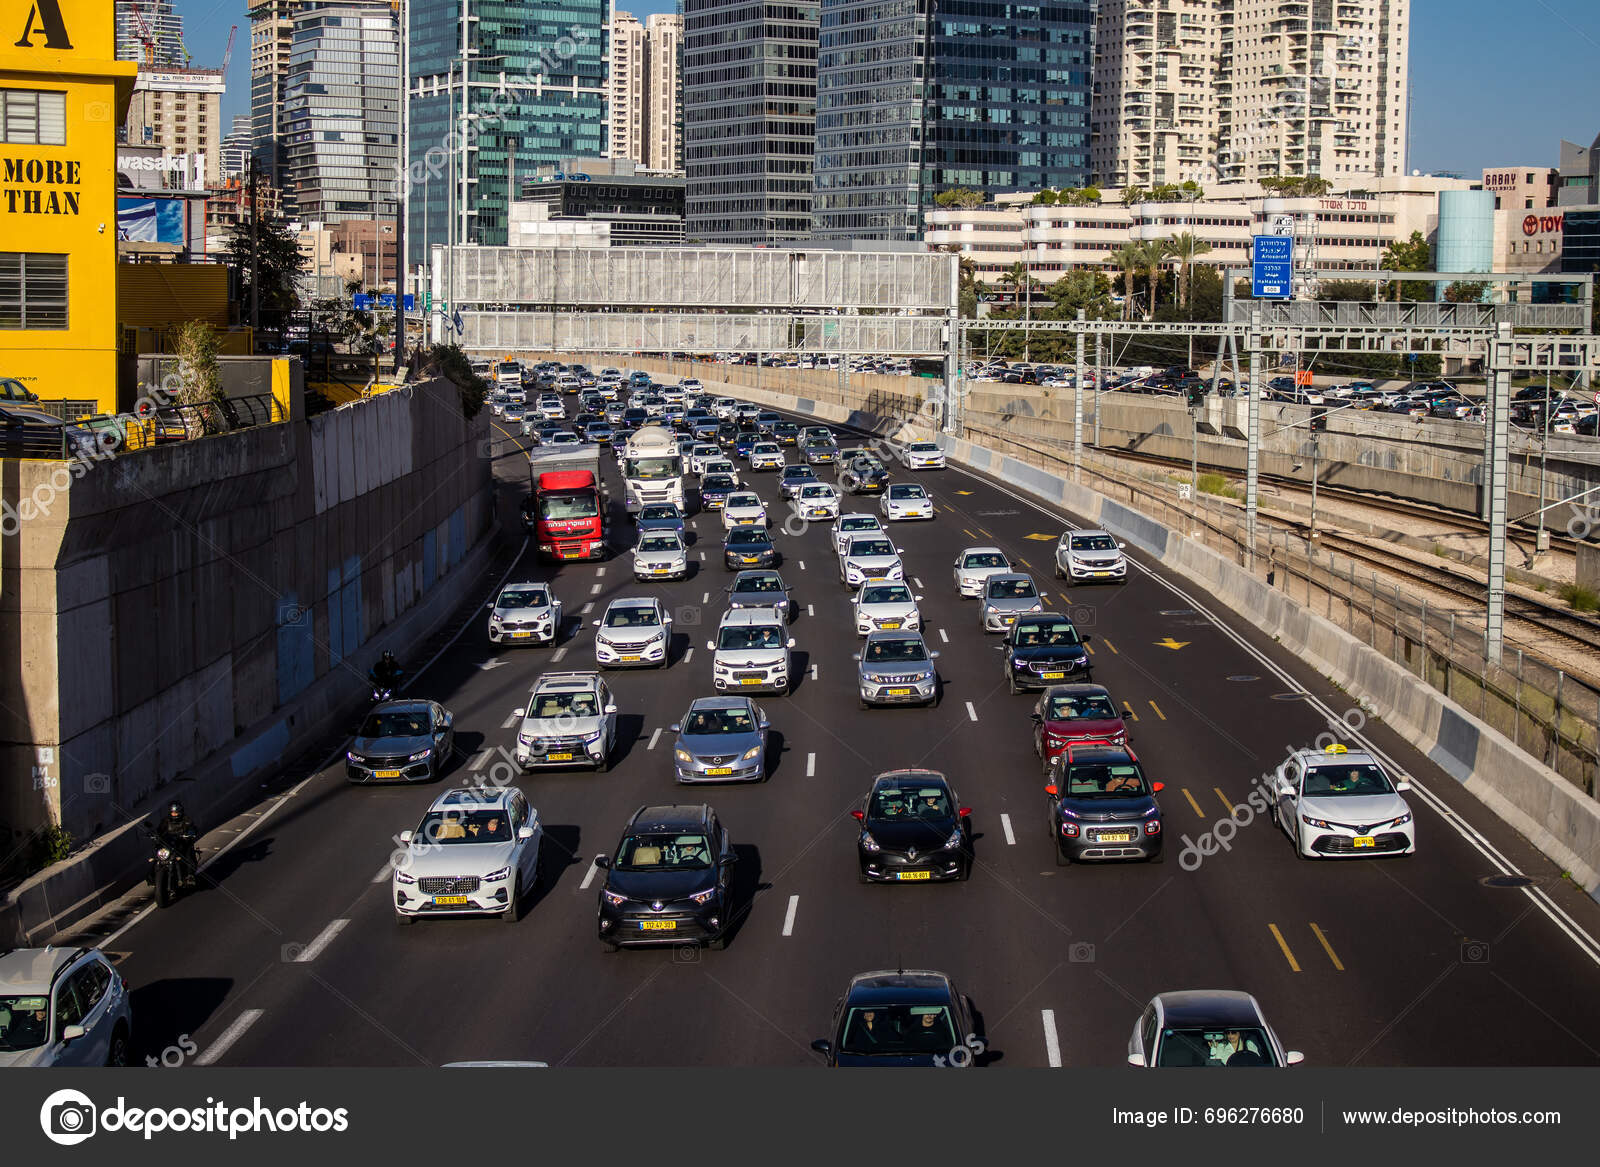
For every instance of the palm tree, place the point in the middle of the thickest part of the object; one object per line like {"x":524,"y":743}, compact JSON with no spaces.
{"x":1184,"y":247}
{"x":1133,"y":195}
{"x":1130,"y":259}
{"x":1152,"y":254}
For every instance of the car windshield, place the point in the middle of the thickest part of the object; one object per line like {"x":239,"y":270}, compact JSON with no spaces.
{"x":758,"y":583}
{"x":566,"y":439}
{"x":887,"y":594}
{"x":747,"y":537}
{"x":632,"y":617}
{"x":908,"y":649}
{"x":458,"y":826}
{"x":413,"y":723}
{"x":524,"y":598}
{"x":664,"y":852}
{"x":1325,"y":781}
{"x":907,"y":491}
{"x":819,"y":491}
{"x":1078,"y":707}
{"x":663,"y":542}
{"x":660,"y":512}
{"x":649,"y":469}
{"x":986,"y":559}
{"x":546,"y":705}
{"x":792,"y":472}
{"x":719,"y":721}
{"x":1011,"y":589}
{"x":24,"y":1022}
{"x":819,"y":441}
{"x":896,"y":1030}
{"x":715,"y":482}
{"x":744,"y":500}
{"x":859,"y":523}
{"x":740,"y":638}
{"x":1037,"y":635}
{"x":923,"y":448}
{"x":765,"y":448}
{"x":1105,"y":780}
{"x":568,"y":506}
{"x":871,"y":547}
{"x":902,"y":802}
{"x":1093,"y":543}
{"x":1247,"y":1046}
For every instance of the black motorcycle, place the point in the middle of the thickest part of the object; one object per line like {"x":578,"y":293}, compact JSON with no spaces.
{"x":172,"y":869}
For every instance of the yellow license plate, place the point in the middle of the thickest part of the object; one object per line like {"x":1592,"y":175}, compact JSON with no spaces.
{"x":1364,"y":841}
{"x":752,"y":559}
{"x":558,"y":757}
{"x":1010,"y":619}
{"x":632,"y":658}
{"x":899,"y":692}
{"x":751,"y":681}
{"x":520,"y":635}
{"x":890,"y":624}
{"x":658,"y":925}
{"x":915,"y":875}
{"x":1052,"y":676}
{"x":386,"y":773}
{"x":1115,"y":837}
{"x":720,"y":770}
{"x":452,"y":899}
{"x":570,"y":554}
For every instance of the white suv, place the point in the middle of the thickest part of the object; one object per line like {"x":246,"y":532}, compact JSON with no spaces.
{"x":1083,"y":556}
{"x":570,"y":720}
{"x":751,"y":652}
{"x":476,"y":851}
{"x":63,"y":1007}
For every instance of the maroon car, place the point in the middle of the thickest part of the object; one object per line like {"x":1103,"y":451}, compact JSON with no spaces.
{"x":1069,"y":714}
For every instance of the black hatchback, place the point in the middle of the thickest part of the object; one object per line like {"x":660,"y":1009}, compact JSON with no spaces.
{"x":1043,"y":649}
{"x":913,"y":828}
{"x":669,"y":881}
{"x":904,"y":1017}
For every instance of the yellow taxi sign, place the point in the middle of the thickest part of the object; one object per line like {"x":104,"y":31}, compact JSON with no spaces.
{"x":1335,"y":749}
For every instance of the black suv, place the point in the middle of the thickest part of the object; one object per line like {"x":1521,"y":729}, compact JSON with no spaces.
{"x":1044,"y":649}
{"x":670,"y":880}
{"x":1102,"y":806}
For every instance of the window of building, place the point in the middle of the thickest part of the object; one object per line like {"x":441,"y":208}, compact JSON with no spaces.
{"x":30,"y":117}
{"x":33,"y":290}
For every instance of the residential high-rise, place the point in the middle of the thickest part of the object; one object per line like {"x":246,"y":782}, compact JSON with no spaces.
{"x":150,"y":32}
{"x":749,"y":119}
{"x":341,"y":111}
{"x":534,"y":91}
{"x":914,"y":99}
{"x":1221,"y":90}
{"x":235,"y":149}
{"x":663,"y":97}
{"x":625,"y":86}
{"x":179,"y":111}
{"x":271,"y":38}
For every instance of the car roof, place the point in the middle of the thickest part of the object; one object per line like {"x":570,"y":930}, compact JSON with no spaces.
{"x":1078,"y":689}
{"x":756,"y":573}
{"x":532,"y":583}
{"x":1009,"y":576}
{"x":893,"y":634}
{"x":985,"y":551}
{"x":703,"y":703}
{"x":482,"y":797}
{"x":1313,"y":759}
{"x":859,"y":515}
{"x":26,"y":970}
{"x":1076,"y":534}
{"x":739,"y":616}
{"x":633,"y":602}
{"x":1192,"y":1008}
{"x":899,"y":986}
{"x":569,"y":682}
{"x":414,"y":705}
{"x":912,"y":773}
{"x":670,"y":817}
{"x":1094,"y":754}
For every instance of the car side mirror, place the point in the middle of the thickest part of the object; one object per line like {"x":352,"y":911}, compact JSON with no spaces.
{"x":71,"y":1033}
{"x":1402,"y":786}
{"x":610,"y":709}
{"x":1086,"y":639}
{"x":934,"y":655}
{"x":1036,"y":718}
{"x":727,"y":861}
{"x":596,"y":623}
{"x":519,"y":713}
{"x":675,"y":727}
{"x":855,"y":656}
{"x":965,"y":812}
{"x":1294,"y":1057}
{"x":823,"y":1046}
{"x":1122,"y":546}
{"x":405,"y":836}
{"x":917,"y":598}
{"x":602,"y":862}
{"x":1000,"y":648}
{"x":525,"y":833}
{"x":1052,"y":790}
{"x":792,"y":642}
{"x":1157,"y":787}
{"x":859,"y":815}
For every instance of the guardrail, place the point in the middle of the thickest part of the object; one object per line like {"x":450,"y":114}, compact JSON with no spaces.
{"x":106,"y":435}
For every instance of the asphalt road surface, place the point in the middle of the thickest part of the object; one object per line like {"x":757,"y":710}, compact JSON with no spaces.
{"x":290,"y":956}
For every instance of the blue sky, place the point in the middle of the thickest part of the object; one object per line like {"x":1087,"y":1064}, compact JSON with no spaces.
{"x":1492,"y":83}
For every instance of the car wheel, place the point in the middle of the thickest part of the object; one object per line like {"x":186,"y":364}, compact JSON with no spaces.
{"x":1061,"y":857}
{"x":513,"y":909}
{"x":865,"y":704}
{"x":1011,"y":682}
{"x":610,"y":945}
{"x":938,"y":695}
{"x":965,"y":871}
{"x":1300,"y":846}
{"x":1059,"y":573}
{"x":117,"y":1054}
{"x":717,"y":943}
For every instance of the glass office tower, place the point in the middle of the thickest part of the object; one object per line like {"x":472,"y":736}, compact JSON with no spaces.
{"x":524,"y":85}
{"x":915,"y":97}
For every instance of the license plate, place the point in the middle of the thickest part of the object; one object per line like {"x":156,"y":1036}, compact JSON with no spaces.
{"x":451,"y":900}
{"x":1115,"y":837}
{"x":558,"y":757}
{"x":520,"y":635}
{"x":1052,"y":676}
{"x":752,"y":681}
{"x":914,"y":875}
{"x":1010,"y":619}
{"x":386,"y":773}
{"x":719,"y":771}
{"x":571,"y":555}
{"x":633,"y":658}
{"x":658,"y":925}
{"x":1102,"y":573}
{"x":752,"y":559}
{"x":898,"y":692}
{"x":890,"y":625}
{"x":1364,"y":841}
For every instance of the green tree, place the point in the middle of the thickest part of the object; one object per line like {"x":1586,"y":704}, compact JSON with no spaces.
{"x":960,"y":196}
{"x":281,"y":265}
{"x":197,"y":344}
{"x":1132,"y":196}
{"x":1466,"y":291}
{"x":1152,"y":254}
{"x":1046,"y":197}
{"x":1089,"y":290}
{"x":1184,"y":247}
{"x":1408,"y":255}
{"x":1129,"y":258}
{"x":451,"y":363}
{"x":1345,"y":290}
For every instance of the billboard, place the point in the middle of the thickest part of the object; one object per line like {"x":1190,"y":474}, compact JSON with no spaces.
{"x":151,"y":221}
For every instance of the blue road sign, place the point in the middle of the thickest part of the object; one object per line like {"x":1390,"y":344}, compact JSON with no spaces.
{"x":1272,"y":267}
{"x":361,"y":302}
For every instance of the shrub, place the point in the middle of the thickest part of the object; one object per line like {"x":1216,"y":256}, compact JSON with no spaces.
{"x":1580,"y":598}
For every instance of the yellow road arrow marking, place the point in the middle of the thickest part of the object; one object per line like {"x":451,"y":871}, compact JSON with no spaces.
{"x":1172,"y":644}
{"x":1041,"y":538}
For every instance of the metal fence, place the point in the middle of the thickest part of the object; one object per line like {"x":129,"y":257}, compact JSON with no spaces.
{"x":667,"y":332}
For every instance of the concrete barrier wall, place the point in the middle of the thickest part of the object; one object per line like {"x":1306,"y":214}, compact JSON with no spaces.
{"x":195,"y":613}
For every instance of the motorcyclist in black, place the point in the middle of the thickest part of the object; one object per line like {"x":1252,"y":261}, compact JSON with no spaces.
{"x":386,"y":673}
{"x":177,"y":833}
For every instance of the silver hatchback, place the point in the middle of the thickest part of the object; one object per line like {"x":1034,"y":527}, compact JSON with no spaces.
{"x":1007,"y":595}
{"x":896,"y":668}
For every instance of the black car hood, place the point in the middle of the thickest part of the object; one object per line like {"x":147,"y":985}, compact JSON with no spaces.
{"x":660,"y":885}
{"x":923,"y":834}
{"x":1121,"y":809}
{"x":1042,"y":653}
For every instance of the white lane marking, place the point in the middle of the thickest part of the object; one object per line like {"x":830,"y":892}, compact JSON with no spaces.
{"x":555,"y":657}
{"x":802,"y":565}
{"x":944,"y":636}
{"x":1052,"y":1043}
{"x":706,"y":598}
{"x":599,"y":571}
{"x":916,"y":582}
{"x":487,"y":752}
{"x":595,"y":591}
{"x":788,"y":917}
{"x":324,"y":938}
{"x":688,"y":655}
{"x":588,"y":876}
{"x":702,"y":557}
{"x":971,"y":712}
{"x":810,"y":611}
{"x":229,"y":1035}
{"x":654,"y":738}
{"x":383,"y":872}
{"x":811,"y":765}
{"x":813,"y":672}
{"x":1005,"y":825}
{"x":587,"y":608}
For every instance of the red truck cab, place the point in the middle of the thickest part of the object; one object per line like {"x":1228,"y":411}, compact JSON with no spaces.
{"x":568,"y":515}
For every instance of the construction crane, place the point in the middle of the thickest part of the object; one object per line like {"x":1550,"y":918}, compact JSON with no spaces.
{"x":228,"y":56}
{"x":145,"y":38}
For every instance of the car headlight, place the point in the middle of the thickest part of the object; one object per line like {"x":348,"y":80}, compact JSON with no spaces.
{"x":352,"y":756}
{"x":954,"y":840}
{"x":163,"y":853}
{"x":1037,"y":608}
{"x":704,"y":897}
{"x":684,"y":757}
{"x":421,"y":755}
{"x":402,"y":877}
{"x":1401,"y":821}
{"x":869,"y":844}
{"x":613,"y":898}
{"x":497,"y":876}
{"x":1318,"y":823}
{"x":525,"y":738}
{"x":750,"y":753}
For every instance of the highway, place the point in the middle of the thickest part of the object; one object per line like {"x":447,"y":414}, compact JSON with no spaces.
{"x":290,"y":956}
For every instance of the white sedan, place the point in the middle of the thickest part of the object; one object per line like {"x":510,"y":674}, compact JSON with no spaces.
{"x":906,"y":500}
{"x":886,"y":607}
{"x":922,"y":456}
{"x":1335,"y":803}
{"x":742,"y":510}
{"x":816,"y":500}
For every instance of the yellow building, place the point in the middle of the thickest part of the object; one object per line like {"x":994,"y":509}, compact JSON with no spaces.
{"x":63,"y":94}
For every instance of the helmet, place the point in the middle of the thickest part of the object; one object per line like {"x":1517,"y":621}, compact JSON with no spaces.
{"x":175,"y":810}
{"x":388,"y":658}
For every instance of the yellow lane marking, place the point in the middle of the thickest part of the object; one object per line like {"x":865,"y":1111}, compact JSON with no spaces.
{"x":1328,"y":948}
{"x":1089,"y":648}
{"x":1041,"y":538}
{"x":984,"y":533}
{"x":1227,"y":807}
{"x":1284,"y":944}
{"x":1024,"y":563}
{"x":1127,"y":711}
{"x":968,"y":533}
{"x":1193,"y":803}
{"x":1111,"y":646}
{"x":1157,"y":708}
{"x":1048,"y":600}
{"x":963,"y":492}
{"x":1066,"y":599}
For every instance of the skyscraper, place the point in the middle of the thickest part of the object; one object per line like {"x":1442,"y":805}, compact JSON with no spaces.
{"x":341,"y":111}
{"x":235,"y":149}
{"x":150,"y":32}
{"x":1242,"y":89}
{"x":749,"y":119}
{"x":496,"y":87}
{"x":914,"y":98}
{"x":625,"y":86}
{"x":663,"y":98}
{"x":271,"y":38}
